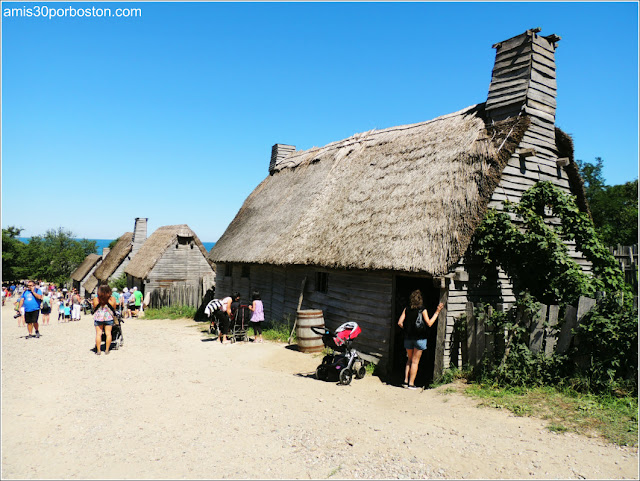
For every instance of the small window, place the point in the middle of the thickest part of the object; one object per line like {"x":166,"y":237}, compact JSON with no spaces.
{"x":322,"y":282}
{"x":228,"y":270}
{"x":245,"y":271}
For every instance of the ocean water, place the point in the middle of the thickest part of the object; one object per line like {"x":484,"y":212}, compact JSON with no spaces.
{"x":102,"y":243}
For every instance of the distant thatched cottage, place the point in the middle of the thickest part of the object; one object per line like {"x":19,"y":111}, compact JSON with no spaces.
{"x":84,"y":271}
{"x":370,"y":218}
{"x":114,"y":263}
{"x":172,"y":256}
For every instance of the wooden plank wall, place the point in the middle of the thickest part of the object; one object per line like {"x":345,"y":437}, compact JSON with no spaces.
{"x":359,"y":296}
{"x":182,"y":265}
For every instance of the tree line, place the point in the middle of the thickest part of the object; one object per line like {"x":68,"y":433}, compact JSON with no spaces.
{"x":614,"y":208}
{"x":51,"y":257}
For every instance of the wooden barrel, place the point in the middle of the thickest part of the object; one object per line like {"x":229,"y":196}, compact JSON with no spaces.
{"x":309,"y":341}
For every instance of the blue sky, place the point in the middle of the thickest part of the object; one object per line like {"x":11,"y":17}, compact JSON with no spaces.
{"x":172,"y":115}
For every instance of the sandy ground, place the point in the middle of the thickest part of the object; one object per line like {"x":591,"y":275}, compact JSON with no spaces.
{"x":171,"y":405}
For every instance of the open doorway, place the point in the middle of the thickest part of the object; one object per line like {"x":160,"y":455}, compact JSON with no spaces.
{"x":404,"y":286}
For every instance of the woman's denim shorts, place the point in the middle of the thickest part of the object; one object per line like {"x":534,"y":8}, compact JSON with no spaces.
{"x":103,"y":323}
{"x":415,"y":344}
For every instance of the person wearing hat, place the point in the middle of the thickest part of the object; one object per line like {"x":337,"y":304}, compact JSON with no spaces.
{"x":116,"y":295}
{"x":137,"y":295}
{"x":124,"y":300}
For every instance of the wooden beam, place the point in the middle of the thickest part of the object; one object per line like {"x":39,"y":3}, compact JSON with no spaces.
{"x":524,"y":153}
{"x":438,"y":364}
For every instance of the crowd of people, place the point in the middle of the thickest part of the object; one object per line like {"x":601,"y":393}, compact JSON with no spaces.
{"x":32,"y":299}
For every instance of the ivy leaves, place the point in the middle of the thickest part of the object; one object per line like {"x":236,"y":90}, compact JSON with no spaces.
{"x":532,"y":248}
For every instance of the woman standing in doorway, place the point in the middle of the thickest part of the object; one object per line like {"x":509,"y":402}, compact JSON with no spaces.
{"x":414,"y":321}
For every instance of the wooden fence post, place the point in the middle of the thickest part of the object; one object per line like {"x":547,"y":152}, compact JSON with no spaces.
{"x":570,"y":321}
{"x":584,"y":305}
{"x":537,"y":330}
{"x":489,"y":335}
{"x":499,"y":336}
{"x":479,"y":337}
{"x":552,"y":332}
{"x":471,"y":331}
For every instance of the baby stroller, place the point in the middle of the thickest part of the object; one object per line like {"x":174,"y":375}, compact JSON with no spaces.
{"x":344,"y":362}
{"x":239,"y":323}
{"x":117,"y":339}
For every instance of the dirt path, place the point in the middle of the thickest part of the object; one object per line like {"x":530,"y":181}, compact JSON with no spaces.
{"x":171,"y":405}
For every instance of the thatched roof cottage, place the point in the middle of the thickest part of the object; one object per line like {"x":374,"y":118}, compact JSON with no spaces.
{"x":172,"y":257}
{"x":369,"y":218}
{"x":84,"y":270}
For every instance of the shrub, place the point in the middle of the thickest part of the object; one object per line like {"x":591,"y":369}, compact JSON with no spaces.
{"x":605,"y":354}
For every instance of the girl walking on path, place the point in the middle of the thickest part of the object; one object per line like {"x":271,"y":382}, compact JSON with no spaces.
{"x":257,"y":316}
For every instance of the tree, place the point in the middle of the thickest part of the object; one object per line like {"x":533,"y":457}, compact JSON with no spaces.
{"x":54,"y":256}
{"x":11,"y":253}
{"x":614,"y":208}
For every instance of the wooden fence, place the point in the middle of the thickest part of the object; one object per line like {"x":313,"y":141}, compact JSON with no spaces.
{"x":181,"y":294}
{"x":477,"y":338}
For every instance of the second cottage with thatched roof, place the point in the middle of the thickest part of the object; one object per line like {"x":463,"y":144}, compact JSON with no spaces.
{"x":172,"y":256}
{"x":368,"y":219}
{"x":84,"y":271}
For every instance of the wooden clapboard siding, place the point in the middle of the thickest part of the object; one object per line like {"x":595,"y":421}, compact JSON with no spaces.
{"x":179,"y":264}
{"x":363,"y":297}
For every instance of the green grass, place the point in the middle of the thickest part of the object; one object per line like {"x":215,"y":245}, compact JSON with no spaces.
{"x":614,"y":418}
{"x":171,"y":312}
{"x":277,"y":331}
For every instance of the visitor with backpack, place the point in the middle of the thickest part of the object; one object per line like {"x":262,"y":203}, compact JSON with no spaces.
{"x":45,"y":309}
{"x":414,"y":321}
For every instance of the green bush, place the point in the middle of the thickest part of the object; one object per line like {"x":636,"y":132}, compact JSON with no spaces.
{"x":604,"y":357}
{"x":119,"y":283}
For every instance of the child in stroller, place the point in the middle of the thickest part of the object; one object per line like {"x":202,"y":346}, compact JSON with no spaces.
{"x":344,"y":362}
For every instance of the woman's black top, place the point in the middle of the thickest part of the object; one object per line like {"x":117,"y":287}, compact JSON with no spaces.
{"x":409,"y":325}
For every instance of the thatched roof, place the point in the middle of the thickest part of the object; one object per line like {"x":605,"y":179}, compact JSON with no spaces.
{"x":564,"y":144}
{"x":84,"y":268}
{"x":155,"y":246}
{"x":406,"y":198}
{"x":111,"y":261}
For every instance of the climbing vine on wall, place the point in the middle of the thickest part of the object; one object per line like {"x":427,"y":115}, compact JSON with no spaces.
{"x":535,"y":253}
